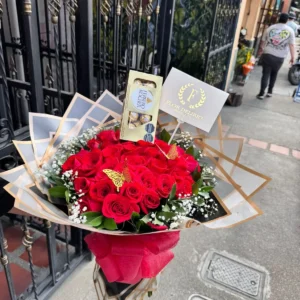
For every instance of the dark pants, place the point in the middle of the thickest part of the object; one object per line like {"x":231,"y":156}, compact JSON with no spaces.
{"x":271,"y":65}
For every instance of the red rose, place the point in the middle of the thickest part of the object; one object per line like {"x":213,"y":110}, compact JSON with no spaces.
{"x":148,"y":179}
{"x":157,"y":227}
{"x":164,"y":185}
{"x":177,"y":164}
{"x":72,"y":163}
{"x":112,"y":150}
{"x":109,"y":163}
{"x":90,"y":163}
{"x":99,"y":190}
{"x":95,"y":206}
{"x":153,"y":152}
{"x":159,"y":166}
{"x":191,"y":162}
{"x":184,"y":187}
{"x":135,"y":160}
{"x":128,"y":146}
{"x":144,"y":144}
{"x":87,"y":204}
{"x":163,"y":145}
{"x":108,"y":137}
{"x":119,"y":208}
{"x":81,"y":185}
{"x":133,"y":191}
{"x":93,"y":144}
{"x":150,"y":201}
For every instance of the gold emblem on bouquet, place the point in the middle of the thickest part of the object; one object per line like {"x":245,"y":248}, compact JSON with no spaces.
{"x":172,"y":153}
{"x":118,"y":178}
{"x":195,"y":97}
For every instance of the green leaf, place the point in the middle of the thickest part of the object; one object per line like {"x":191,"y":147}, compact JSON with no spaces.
{"x":67,"y":196}
{"x":145,"y":219}
{"x":166,"y":208}
{"x":96,"y":221}
{"x":55,"y":180}
{"x":90,"y":215}
{"x":157,"y":222}
{"x":165,"y":136}
{"x":195,"y":188}
{"x":207,"y":188}
{"x":196,"y":175}
{"x":135,"y":216}
{"x":110,"y":224}
{"x":177,"y":204}
{"x":166,"y":214}
{"x":173,"y":192}
{"x":58,"y":191}
{"x":193,"y":151}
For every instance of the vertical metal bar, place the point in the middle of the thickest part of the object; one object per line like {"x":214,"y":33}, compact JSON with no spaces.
{"x":129,"y":11}
{"x":67,"y":246}
{"x":140,"y":12}
{"x":116,"y":47}
{"x":128,"y":45}
{"x":211,"y":38}
{"x":47,"y":32}
{"x":66,"y":41}
{"x":39,"y":34}
{"x":155,"y":35}
{"x":84,"y":50}
{"x":27,"y":242}
{"x":54,"y":7}
{"x":33,"y":51}
{"x":16,"y":93}
{"x":166,"y":32}
{"x":72,"y":7}
{"x":59,"y":23}
{"x":104,"y":53}
{"x":4,"y":259}
{"x":99,"y":49}
{"x":7,"y":113}
{"x":51,"y":243}
{"x":148,"y":12}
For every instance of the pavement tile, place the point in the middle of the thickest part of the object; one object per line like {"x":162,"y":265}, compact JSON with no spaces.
{"x":280,"y":149}
{"x":14,"y":236}
{"x":296,"y":154}
{"x":21,"y":279}
{"x":258,"y":144}
{"x":39,"y":253}
{"x":237,"y":137}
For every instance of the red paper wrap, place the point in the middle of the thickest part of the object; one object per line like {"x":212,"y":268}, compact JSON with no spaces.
{"x":128,"y":259}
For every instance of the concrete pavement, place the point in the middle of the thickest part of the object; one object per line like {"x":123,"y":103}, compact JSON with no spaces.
{"x":271,"y":240}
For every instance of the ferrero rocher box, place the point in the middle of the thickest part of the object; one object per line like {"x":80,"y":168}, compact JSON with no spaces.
{"x":141,"y":107}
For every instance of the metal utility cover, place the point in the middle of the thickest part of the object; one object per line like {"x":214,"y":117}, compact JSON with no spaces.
{"x":198,"y":297}
{"x":235,"y":276}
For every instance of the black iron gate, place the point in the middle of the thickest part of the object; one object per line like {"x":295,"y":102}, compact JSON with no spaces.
{"x":49,"y":49}
{"x":203,"y":37}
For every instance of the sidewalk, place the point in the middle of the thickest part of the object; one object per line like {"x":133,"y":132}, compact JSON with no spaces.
{"x":271,"y":129}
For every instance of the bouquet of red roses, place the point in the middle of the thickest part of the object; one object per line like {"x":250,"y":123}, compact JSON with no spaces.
{"x":134,"y":196}
{"x":136,"y":187}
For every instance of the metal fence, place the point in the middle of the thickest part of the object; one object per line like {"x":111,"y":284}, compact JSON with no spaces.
{"x":50,"y":49}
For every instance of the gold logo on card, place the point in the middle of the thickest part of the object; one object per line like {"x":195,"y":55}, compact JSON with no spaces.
{"x":195,"y":97}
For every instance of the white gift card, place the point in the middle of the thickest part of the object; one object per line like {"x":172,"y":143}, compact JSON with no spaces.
{"x":191,"y":100}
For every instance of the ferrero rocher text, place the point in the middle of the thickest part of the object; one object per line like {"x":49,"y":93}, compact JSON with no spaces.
{"x":141,"y":107}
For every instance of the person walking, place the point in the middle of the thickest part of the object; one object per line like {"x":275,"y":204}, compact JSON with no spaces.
{"x":277,"y":41}
{"x":292,"y":24}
